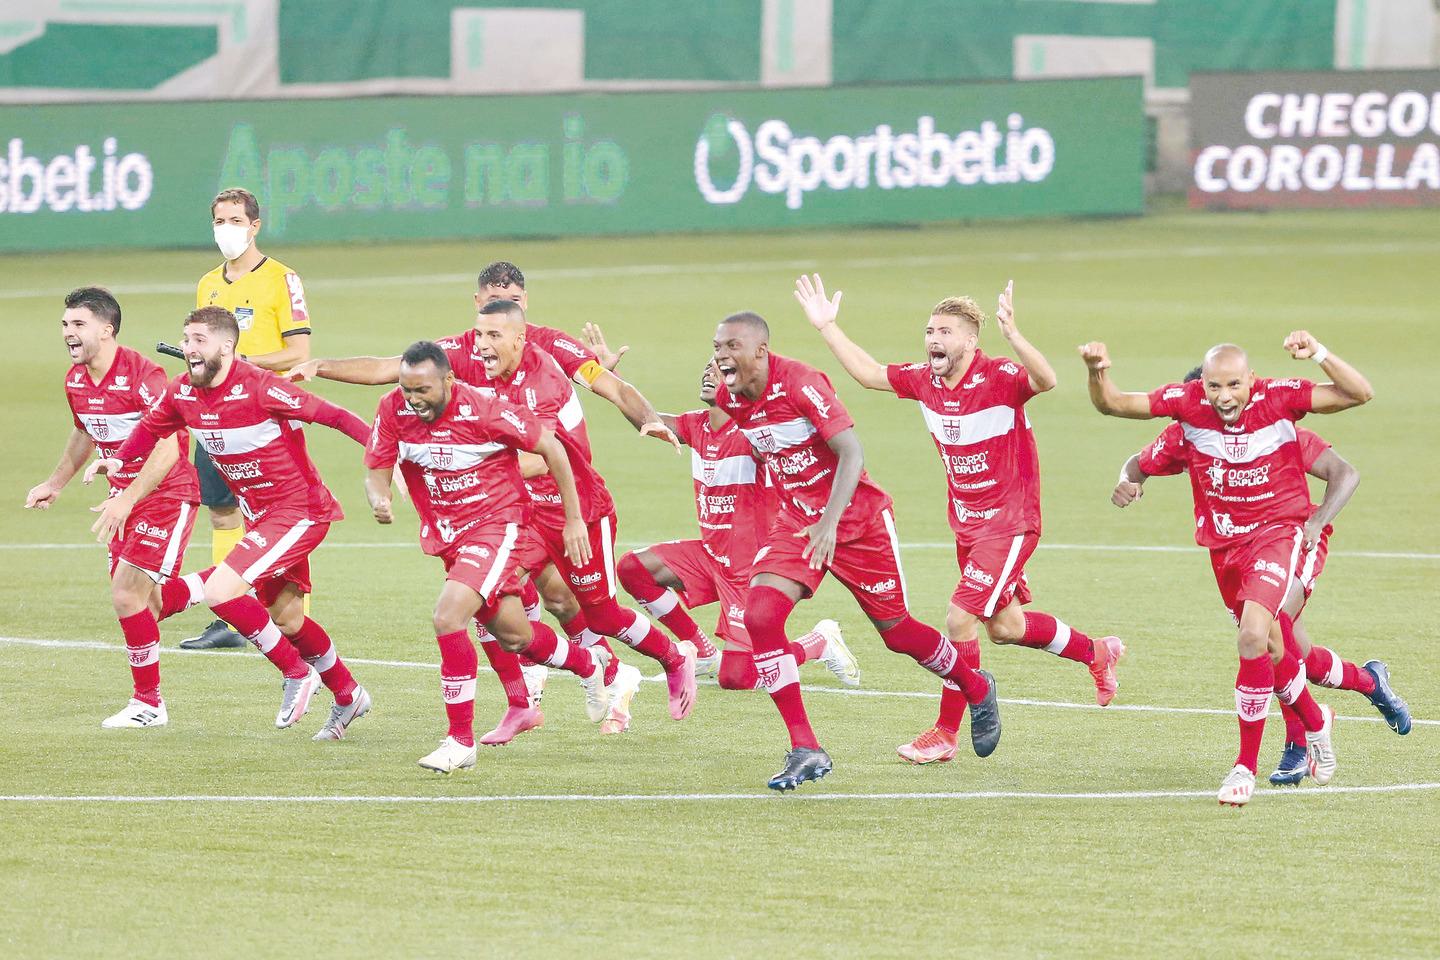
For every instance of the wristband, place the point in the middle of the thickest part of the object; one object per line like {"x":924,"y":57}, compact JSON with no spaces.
{"x":1321,"y":353}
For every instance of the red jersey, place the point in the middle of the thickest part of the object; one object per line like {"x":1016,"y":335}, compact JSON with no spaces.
{"x":985,"y":442}
{"x":250,"y":426}
{"x":733,"y":496}
{"x":541,"y":387}
{"x":109,"y":410}
{"x":1164,"y":456}
{"x":462,"y":469}
{"x":1246,"y":474}
{"x":571,"y":355}
{"x":789,"y":426}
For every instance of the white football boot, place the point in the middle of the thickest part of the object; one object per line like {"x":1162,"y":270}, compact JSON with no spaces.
{"x":836,"y":656}
{"x":597,"y":696}
{"x":1321,"y":752}
{"x":342,"y":717}
{"x":135,"y":714}
{"x":295,"y":698}
{"x":449,"y":757}
{"x":622,"y":692}
{"x":535,"y":675}
{"x":1237,"y":787}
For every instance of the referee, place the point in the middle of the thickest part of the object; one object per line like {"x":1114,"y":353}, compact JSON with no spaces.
{"x":268,"y":300}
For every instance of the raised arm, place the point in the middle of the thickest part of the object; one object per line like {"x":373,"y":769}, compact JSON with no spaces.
{"x":1108,"y":398}
{"x":283,"y":400}
{"x":1348,"y":387}
{"x":1042,"y":375}
{"x":366,"y":370}
{"x":821,"y":312}
{"x":72,"y":459}
{"x":1341,"y":478}
{"x":576,"y":536}
{"x":634,"y":406}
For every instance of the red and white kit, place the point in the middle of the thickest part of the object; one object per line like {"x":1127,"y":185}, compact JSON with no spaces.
{"x":735,"y":505}
{"x":250,"y":425}
{"x":540,"y":386}
{"x":1251,"y":495}
{"x":992,"y":471}
{"x":1167,"y":455}
{"x":463,"y":475}
{"x":789,"y":426}
{"x":154,"y":537}
{"x":578,"y":361}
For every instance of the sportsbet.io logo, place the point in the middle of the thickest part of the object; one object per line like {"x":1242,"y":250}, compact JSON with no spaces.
{"x":729,"y":160}
{"x":77,"y":179}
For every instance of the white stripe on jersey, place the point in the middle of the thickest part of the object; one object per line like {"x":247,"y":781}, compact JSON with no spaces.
{"x":779,"y":436}
{"x":110,"y":427}
{"x":723,"y":472}
{"x":572,"y":414}
{"x":447,"y":456}
{"x":1241,"y":447}
{"x":968,"y":428}
{"x":233,"y":441}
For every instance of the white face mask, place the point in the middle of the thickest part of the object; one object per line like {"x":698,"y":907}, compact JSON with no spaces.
{"x":232,"y":239}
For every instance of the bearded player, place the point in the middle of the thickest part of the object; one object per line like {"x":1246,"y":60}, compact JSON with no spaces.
{"x":247,"y":419}
{"x":832,"y":518}
{"x":457,"y":447}
{"x":735,"y":505}
{"x":110,"y":388}
{"x":974,"y":409}
{"x":1243,"y":452}
{"x":1166,"y":456}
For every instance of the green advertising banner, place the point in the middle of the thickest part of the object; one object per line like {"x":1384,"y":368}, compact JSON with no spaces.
{"x":438,"y":167}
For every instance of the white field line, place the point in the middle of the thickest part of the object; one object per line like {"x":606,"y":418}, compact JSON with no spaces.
{"x":922,"y":545}
{"x":705,"y":797}
{"x":699,"y":268}
{"x":808,"y":688}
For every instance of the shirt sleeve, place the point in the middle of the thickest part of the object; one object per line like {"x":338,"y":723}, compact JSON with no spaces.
{"x":294,"y":315}
{"x":1018,"y":379}
{"x":685,"y":428}
{"x":1312,"y":446}
{"x":579,"y":363}
{"x":1167,"y":401}
{"x":817,"y":400}
{"x":903,"y":379}
{"x":283,"y":400}
{"x":384,"y":447}
{"x":515,"y":426}
{"x":1164,"y":456}
{"x":1294,"y":396}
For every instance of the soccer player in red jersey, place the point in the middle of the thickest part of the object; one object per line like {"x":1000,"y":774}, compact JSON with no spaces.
{"x":1166,"y":456}
{"x":832,"y":518}
{"x":1243,"y":453}
{"x":457,"y":446}
{"x":248,"y":420}
{"x":735,"y":504}
{"x":109,"y":389}
{"x":974,"y":409}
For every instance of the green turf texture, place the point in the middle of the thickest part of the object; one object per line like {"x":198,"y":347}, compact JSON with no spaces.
{"x":1325,"y":874}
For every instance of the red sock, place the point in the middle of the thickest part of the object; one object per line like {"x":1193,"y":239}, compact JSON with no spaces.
{"x":1043,"y":631}
{"x":458,"y":664}
{"x":249,"y":617}
{"x":927,"y":647}
{"x":737,"y":671}
{"x":179,"y":594}
{"x":1290,"y":688}
{"x":952,"y":698}
{"x":547,"y":647}
{"x":1294,"y":728}
{"x":507,"y":667}
{"x":1324,"y":666}
{"x":1254,"y":683}
{"x":580,"y":634}
{"x":142,"y":642}
{"x":530,"y":600}
{"x":662,"y":603}
{"x":810,"y":646}
{"x":315,"y":647}
{"x":635,"y":631}
{"x":765,"y":613}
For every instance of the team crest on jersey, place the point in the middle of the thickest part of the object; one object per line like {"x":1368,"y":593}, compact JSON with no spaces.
{"x":466,"y":410}
{"x":764,"y":441}
{"x":1236,"y":447}
{"x":186,"y":389}
{"x":245,"y":317}
{"x":441,"y":457}
{"x":99,"y":428}
{"x":952,"y":429}
{"x":122,"y":382}
{"x":707,"y":472}
{"x":214,"y":441}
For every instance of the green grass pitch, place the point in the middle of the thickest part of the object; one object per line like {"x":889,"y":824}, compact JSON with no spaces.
{"x":1044,"y":849}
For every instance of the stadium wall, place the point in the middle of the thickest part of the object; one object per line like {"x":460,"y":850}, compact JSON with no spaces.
{"x":388,"y":168}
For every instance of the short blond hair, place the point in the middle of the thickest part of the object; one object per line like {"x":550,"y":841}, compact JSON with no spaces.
{"x":961,"y":307}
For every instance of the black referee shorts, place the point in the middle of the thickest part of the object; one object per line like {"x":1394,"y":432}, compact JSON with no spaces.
{"x":213,"y":491}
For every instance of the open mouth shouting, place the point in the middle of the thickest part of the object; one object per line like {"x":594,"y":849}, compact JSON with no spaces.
{"x":729,"y":372}
{"x":75,"y":347}
{"x":939,"y":359}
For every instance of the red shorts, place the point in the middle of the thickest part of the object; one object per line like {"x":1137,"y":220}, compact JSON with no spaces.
{"x":543,"y":543}
{"x":483,"y":559}
{"x":276,"y":551}
{"x":154,"y":538}
{"x":1259,"y":568}
{"x":706,"y":580}
{"x":868,"y":564}
{"x":992,"y":573}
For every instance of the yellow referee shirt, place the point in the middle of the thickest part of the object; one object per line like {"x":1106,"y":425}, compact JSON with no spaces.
{"x":268,"y":301}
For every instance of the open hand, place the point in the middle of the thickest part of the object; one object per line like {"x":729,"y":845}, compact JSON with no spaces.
{"x":113,"y":514}
{"x":820,"y":551}
{"x":657,"y":429}
{"x":103,"y":465}
{"x":594,"y":338}
{"x":302,"y":372}
{"x":577,"y":541}
{"x":810,"y":293}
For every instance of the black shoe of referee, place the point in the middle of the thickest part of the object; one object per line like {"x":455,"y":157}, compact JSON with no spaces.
{"x":217,"y":636}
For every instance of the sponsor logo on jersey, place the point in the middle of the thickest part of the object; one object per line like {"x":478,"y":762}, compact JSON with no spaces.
{"x":880,"y":586}
{"x":237,"y":392}
{"x":587,"y":580}
{"x":289,"y":399}
{"x":482,"y":552}
{"x":510,"y":417}
{"x":1173,"y":393}
{"x":1270,"y":567}
{"x":455,"y":484}
{"x":257,"y":538}
{"x":1009,"y":368}
{"x":121,"y":383}
{"x":969,"y":464}
{"x":1225,"y":526}
{"x":146,"y":397}
{"x":245,"y":317}
{"x":150,"y":530}
{"x":466,"y":410}
{"x":972,"y":572}
{"x":964,"y":514}
{"x":297,"y":297}
{"x":1254,"y":477}
{"x":973,"y":382}
{"x":797,"y":462}
{"x":447,"y":530}
{"x":821,"y":407}
{"x":1291,"y":384}
{"x":569,"y":347}
{"x":187,"y":392}
{"x":448,"y":344}
{"x":249,"y":470}
{"x":76,"y":379}
{"x":1215,"y":473}
{"x":735,"y":615}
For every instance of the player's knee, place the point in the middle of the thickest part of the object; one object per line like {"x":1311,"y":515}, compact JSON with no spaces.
{"x":446,"y":620}
{"x":961,"y":625}
{"x":1253,"y":641}
{"x":511,"y":639}
{"x":127,"y":600}
{"x":632,"y":573}
{"x":1005,"y":631}
{"x":217,"y":592}
{"x":224,"y":518}
{"x":737,"y":671}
